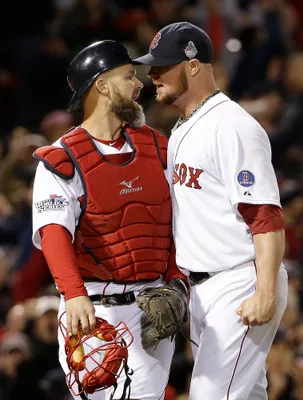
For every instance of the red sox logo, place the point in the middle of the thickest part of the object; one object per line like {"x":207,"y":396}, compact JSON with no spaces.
{"x":245,"y":177}
{"x":187,"y":175}
{"x":154,"y":42}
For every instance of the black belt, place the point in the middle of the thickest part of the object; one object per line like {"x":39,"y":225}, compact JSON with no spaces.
{"x":197,"y":277}
{"x":114,"y":299}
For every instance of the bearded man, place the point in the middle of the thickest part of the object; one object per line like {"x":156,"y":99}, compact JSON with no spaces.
{"x":102,"y":216}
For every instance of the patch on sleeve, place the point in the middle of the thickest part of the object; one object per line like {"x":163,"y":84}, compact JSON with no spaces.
{"x":54,"y":203}
{"x":246,"y":178}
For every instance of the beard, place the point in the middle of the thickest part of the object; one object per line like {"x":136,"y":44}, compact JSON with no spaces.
{"x":128,"y":111}
{"x":170,"y":98}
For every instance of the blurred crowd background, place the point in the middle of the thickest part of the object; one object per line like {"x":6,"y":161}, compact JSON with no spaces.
{"x":258,"y":47}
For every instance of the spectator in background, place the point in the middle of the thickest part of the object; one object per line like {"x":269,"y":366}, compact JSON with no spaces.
{"x":55,"y":124}
{"x":18,"y":165}
{"x":87,"y":21}
{"x":292,"y":203}
{"x":29,"y":272}
{"x":14,"y":349}
{"x":16,"y":319}
{"x":280,"y":363}
{"x":5,"y":290}
{"x":289,"y":131}
{"x":160,"y":13}
{"x":209,"y":15}
{"x":258,"y":48}
{"x":42,"y":330}
{"x":265,"y":102}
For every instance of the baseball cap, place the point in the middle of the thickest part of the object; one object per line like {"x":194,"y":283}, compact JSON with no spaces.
{"x":46,"y":303}
{"x":15,"y":341}
{"x":177,"y":42}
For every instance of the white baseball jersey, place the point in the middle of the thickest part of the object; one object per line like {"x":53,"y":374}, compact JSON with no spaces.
{"x":151,"y":367}
{"x":217,"y":159}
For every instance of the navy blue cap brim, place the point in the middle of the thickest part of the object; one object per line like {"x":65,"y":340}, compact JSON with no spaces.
{"x":153,"y":61}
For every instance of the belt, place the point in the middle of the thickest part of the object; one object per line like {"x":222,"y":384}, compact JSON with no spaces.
{"x":198,"y":277}
{"x":114,"y":299}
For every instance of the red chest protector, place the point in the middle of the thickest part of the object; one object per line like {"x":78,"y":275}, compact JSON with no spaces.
{"x":124,"y":230}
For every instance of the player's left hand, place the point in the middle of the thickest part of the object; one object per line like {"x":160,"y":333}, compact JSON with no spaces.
{"x":258,"y":309}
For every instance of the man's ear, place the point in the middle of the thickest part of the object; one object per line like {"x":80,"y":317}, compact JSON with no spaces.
{"x":194,"y":67}
{"x":101,"y":87}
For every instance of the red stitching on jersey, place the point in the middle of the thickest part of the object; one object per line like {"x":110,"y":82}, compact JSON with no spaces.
{"x":235,"y":367}
{"x":234,"y":371}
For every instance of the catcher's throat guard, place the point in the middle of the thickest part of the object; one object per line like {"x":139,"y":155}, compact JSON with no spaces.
{"x":97,"y":367}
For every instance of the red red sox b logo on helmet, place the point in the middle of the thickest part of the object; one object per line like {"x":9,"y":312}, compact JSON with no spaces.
{"x":188,"y":175}
{"x":155,"y":41}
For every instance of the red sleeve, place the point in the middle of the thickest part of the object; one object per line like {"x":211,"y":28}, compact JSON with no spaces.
{"x":262,"y":218}
{"x":31,"y":278}
{"x":172,"y":269}
{"x":59,"y":252}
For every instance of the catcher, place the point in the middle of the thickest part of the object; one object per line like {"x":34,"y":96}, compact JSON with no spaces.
{"x":102,"y":217}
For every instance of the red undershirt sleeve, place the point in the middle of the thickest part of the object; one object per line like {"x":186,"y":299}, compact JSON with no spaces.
{"x":262,"y":218}
{"x":58,"y":250}
{"x":172,"y":269}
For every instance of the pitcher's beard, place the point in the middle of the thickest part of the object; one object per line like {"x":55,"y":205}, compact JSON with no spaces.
{"x":128,"y":111}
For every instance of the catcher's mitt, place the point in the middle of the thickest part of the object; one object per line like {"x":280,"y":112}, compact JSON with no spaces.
{"x":167,"y":309}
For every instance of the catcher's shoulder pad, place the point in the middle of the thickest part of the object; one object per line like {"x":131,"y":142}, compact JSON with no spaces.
{"x":56,"y":160}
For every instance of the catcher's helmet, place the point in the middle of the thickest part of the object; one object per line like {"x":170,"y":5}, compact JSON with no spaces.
{"x":89,"y":63}
{"x":95,"y":361}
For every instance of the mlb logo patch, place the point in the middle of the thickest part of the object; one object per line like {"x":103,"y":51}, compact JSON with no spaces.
{"x":246,"y":178}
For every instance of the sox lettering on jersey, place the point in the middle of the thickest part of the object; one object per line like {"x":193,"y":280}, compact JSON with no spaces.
{"x":188,"y":175}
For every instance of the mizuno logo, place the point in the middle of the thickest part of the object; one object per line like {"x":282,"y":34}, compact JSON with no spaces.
{"x":129,"y":183}
{"x":129,"y":186}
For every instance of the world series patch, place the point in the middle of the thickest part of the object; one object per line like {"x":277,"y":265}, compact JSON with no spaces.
{"x":246,"y":178}
{"x":54,"y":203}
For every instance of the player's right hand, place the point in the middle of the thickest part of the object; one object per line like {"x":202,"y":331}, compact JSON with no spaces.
{"x":80,"y":310}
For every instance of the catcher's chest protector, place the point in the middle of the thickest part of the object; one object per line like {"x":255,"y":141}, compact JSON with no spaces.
{"x":124,"y":230}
